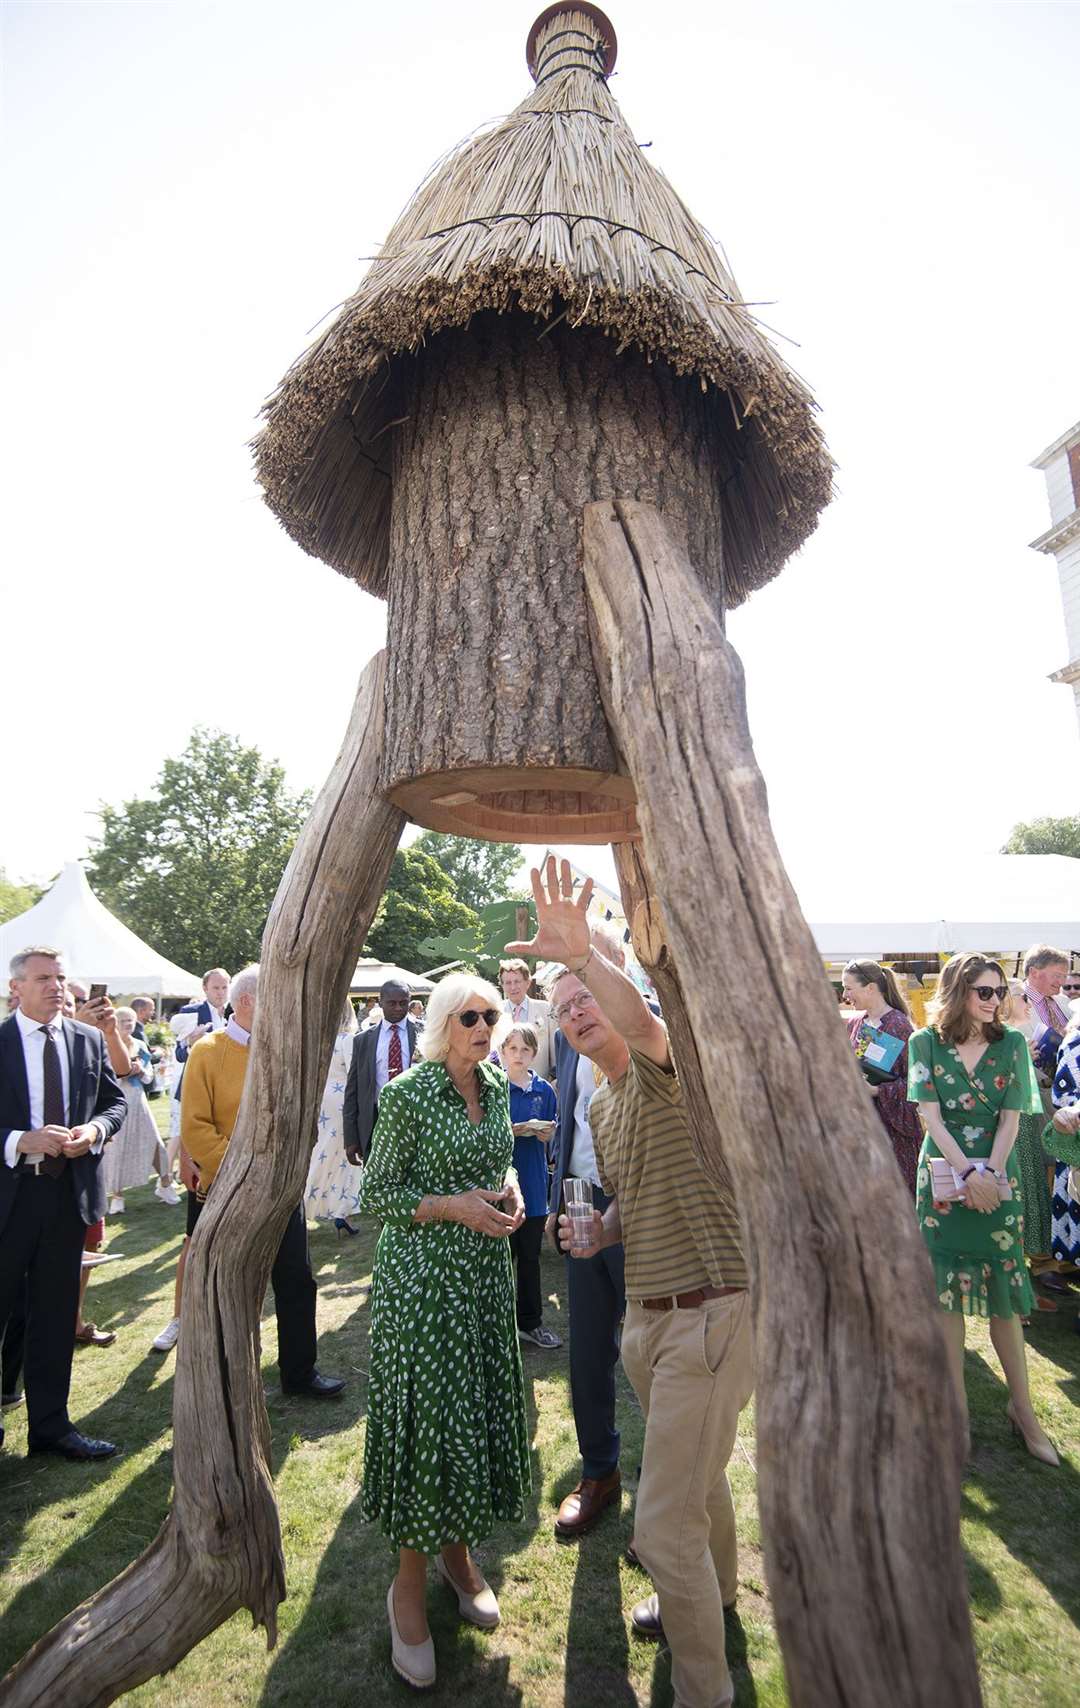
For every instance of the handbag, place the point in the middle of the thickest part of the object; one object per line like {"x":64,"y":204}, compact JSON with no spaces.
{"x":947,"y":1186}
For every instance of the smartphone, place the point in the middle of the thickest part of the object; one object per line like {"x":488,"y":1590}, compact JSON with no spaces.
{"x":98,"y":993}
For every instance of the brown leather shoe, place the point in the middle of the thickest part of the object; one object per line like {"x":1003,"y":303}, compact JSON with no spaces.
{"x":583,"y":1505}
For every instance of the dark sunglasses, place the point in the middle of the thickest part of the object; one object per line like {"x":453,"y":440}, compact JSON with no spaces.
{"x":1071,"y":984}
{"x":991,"y":992}
{"x":470,"y":1016}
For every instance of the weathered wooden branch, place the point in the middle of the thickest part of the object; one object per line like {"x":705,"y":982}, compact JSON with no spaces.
{"x":220,"y":1549}
{"x":858,"y":1434}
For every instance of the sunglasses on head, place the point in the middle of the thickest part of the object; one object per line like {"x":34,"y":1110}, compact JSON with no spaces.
{"x":470,"y":1016}
{"x":991,"y":992}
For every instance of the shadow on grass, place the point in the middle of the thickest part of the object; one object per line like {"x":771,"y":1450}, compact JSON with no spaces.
{"x":1033,"y":1508}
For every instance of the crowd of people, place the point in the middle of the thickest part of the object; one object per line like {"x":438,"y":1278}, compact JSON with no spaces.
{"x":471,"y":1130}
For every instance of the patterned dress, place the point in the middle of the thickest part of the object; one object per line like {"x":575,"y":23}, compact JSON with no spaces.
{"x":896,"y":1114}
{"x":1065,"y":1212}
{"x":447,"y":1449}
{"x":333,"y":1184}
{"x":978,"y":1259}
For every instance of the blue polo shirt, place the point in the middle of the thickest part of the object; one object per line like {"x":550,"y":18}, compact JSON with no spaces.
{"x":534,"y":1102}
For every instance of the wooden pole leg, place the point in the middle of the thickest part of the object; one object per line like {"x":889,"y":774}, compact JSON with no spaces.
{"x":220,"y":1549}
{"x":858,"y":1432}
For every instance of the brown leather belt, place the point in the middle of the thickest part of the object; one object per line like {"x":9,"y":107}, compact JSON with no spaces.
{"x":687,"y":1301}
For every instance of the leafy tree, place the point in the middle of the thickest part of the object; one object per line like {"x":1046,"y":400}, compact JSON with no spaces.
{"x":419,"y":904}
{"x":479,"y":872}
{"x":194,"y":867}
{"x":16,"y":898}
{"x":498,"y":927}
{"x":1045,"y":836}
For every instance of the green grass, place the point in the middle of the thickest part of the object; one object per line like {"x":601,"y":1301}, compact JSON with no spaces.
{"x":66,"y":1529}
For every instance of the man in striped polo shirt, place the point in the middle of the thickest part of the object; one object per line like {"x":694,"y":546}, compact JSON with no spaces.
{"x":686,"y":1338}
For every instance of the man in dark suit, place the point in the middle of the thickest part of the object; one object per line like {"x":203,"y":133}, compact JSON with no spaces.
{"x":60,"y":1103}
{"x":379,"y":1053}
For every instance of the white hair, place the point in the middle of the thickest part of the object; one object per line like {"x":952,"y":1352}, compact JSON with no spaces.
{"x":451,"y":995}
{"x":243,"y":983}
{"x":126,"y":1014}
{"x":17,"y":966}
{"x":349,"y":1022}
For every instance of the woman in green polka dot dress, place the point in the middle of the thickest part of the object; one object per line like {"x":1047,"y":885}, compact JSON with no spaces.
{"x":972,"y":1079}
{"x":446,"y":1453}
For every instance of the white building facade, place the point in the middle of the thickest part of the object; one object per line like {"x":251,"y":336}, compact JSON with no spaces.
{"x":1060,"y":463}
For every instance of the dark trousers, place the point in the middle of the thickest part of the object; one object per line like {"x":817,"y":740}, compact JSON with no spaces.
{"x":294,"y":1297}
{"x":14,"y":1334}
{"x":41,"y":1250}
{"x":525,"y":1245}
{"x":596,"y":1299}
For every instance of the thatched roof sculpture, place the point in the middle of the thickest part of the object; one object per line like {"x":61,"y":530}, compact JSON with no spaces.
{"x":554,"y":213}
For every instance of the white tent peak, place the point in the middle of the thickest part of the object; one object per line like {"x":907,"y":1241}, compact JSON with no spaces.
{"x":95,"y":945}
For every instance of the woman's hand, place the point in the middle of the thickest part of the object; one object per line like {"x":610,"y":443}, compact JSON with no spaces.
{"x":514,"y":1202}
{"x":476,"y":1210}
{"x":981,"y":1193}
{"x":1067,"y":1120}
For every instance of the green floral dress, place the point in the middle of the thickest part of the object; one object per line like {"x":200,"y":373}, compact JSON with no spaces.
{"x":978,"y":1259}
{"x":446,"y":1452}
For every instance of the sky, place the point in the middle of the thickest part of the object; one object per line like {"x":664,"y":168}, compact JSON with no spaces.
{"x":188,"y":189}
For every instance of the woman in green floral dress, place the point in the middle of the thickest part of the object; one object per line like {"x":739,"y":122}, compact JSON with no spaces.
{"x":972,"y":1078}
{"x":446,"y":1452}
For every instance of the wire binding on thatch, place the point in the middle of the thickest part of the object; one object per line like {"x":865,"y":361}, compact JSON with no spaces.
{"x":553,"y":213}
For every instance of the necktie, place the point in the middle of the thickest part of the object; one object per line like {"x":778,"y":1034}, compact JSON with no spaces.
{"x":394,"y":1063}
{"x":55,"y":1115}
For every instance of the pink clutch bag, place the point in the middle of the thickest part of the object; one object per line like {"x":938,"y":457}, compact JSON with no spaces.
{"x":947,"y":1185}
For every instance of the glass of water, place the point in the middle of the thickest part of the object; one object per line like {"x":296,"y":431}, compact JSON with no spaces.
{"x":578,"y":1201}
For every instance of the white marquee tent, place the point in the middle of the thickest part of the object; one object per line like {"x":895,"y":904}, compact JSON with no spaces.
{"x":993,"y":902}
{"x":96,"y":946}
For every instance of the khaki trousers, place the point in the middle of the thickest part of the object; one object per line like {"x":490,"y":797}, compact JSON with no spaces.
{"x":692,"y":1372}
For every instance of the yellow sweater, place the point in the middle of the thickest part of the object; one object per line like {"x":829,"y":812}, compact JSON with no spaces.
{"x":210,"y":1101}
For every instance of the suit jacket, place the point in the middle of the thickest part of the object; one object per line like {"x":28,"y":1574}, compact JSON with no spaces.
{"x":566,"y":1061}
{"x":538,"y":1016}
{"x":361,"y":1102}
{"x":94,"y":1094}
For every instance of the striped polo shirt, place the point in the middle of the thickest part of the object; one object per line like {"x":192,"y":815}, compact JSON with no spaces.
{"x":680,"y":1229}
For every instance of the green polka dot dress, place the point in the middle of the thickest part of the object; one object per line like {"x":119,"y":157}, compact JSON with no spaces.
{"x":446,"y":1453}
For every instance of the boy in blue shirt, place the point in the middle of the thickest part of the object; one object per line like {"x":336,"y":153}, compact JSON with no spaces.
{"x":533,"y":1108}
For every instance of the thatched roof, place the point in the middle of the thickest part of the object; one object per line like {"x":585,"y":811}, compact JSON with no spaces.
{"x":556,"y":212}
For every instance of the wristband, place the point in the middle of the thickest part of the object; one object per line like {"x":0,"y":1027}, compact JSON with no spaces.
{"x":577,"y":971}
{"x":967,"y":1171}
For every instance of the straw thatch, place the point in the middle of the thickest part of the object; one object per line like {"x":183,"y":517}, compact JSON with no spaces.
{"x":555,"y":213}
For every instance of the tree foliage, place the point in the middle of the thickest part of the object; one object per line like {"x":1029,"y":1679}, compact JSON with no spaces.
{"x":1045,"y":836}
{"x":194,"y":867}
{"x":479,"y":872}
{"x":419,"y":903}
{"x":16,"y":898}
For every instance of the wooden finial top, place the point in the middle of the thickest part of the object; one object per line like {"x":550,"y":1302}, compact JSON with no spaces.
{"x":571,"y":46}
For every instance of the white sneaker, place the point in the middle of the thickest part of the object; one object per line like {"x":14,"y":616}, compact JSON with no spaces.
{"x":116,"y":1207}
{"x":167,"y":1339}
{"x":167,"y":1194}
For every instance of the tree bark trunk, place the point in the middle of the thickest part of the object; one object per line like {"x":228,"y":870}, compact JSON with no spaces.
{"x":858,"y":1433}
{"x":504,"y":436}
{"x":220,"y":1549}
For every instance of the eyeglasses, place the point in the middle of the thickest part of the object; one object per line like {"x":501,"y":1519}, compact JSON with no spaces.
{"x":1073,"y":984}
{"x":991,"y":992}
{"x":583,"y":999}
{"x":470,"y":1016}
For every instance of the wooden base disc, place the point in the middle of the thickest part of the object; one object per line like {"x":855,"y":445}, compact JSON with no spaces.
{"x":505,"y":804}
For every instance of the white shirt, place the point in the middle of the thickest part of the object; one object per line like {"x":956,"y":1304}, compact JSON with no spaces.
{"x":236,"y":1032}
{"x":33,"y":1044}
{"x":582,"y":1163}
{"x":382,"y":1051}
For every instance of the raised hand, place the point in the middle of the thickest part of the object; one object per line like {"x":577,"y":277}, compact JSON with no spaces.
{"x":562,"y":926}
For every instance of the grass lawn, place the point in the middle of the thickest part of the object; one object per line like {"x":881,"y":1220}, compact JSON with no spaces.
{"x":66,"y":1529}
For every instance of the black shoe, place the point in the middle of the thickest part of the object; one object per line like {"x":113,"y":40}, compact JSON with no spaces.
{"x":344,"y":1226}
{"x":75,"y":1446}
{"x":10,"y":1400}
{"x":645,"y":1619}
{"x":317,"y":1387}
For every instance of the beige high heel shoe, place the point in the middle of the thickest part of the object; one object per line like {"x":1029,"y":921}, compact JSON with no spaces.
{"x":1042,"y":1450}
{"x":414,"y":1662}
{"x":480,"y":1609}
